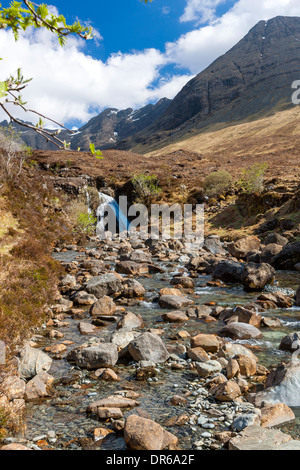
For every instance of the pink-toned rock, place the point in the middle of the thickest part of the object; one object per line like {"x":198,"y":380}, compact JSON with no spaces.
{"x":232,"y":369}
{"x":178,"y":400}
{"x":258,"y":438}
{"x":243,"y":315}
{"x":130,"y":321}
{"x":170,"y":291}
{"x":198,"y":355}
{"x":109,"y":413}
{"x":113,"y":401}
{"x":275,"y":414}
{"x":227,"y":391}
{"x":39,"y":387}
{"x":174,"y":301}
{"x":109,"y":376}
{"x":230,"y":350}
{"x":175,"y":317}
{"x":247,"y":365}
{"x":145,"y":434}
{"x":210,"y":343}
{"x":86,"y":328}
{"x":15,"y":447}
{"x":13,"y":387}
{"x":101,"y":433}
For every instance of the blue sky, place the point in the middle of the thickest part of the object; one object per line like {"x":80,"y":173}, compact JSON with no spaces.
{"x":146,"y":52}
{"x":128,"y":25}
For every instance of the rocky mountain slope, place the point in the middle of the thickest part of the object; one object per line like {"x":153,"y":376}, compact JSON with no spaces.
{"x":251,"y":80}
{"x":104,"y":130}
{"x":112,"y":125}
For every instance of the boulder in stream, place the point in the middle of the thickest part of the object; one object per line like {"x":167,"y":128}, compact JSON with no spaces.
{"x":229,"y":271}
{"x":106,"y":284}
{"x":174,"y":301}
{"x":282,"y":386}
{"x":148,"y":347}
{"x":95,"y":357}
{"x":257,"y":276}
{"x":237,"y":331}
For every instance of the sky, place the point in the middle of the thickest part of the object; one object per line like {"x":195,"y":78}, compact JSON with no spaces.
{"x":140,"y":52}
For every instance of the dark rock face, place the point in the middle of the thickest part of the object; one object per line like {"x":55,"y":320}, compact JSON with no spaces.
{"x":112,"y":125}
{"x":229,"y":271}
{"x":298,"y":298}
{"x":288,"y":257}
{"x":255,"y":76}
{"x":257,"y":276}
{"x":290,"y":342}
{"x":269,"y":252}
{"x":104,"y":130}
{"x":257,"y":71}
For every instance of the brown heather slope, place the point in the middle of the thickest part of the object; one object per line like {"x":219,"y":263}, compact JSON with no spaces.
{"x":181,"y":169}
{"x":275,"y":140}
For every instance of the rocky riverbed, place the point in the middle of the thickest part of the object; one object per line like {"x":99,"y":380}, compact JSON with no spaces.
{"x":153,"y":346}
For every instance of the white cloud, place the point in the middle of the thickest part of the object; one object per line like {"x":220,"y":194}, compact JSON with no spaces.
{"x":169,"y":86}
{"x":200,"y":10}
{"x":166,"y":10}
{"x":69,"y":84}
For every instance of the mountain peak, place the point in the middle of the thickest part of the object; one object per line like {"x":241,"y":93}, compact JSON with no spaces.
{"x":252,"y":77}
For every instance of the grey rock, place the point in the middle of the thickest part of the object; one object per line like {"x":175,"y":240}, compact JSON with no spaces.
{"x":106,"y":284}
{"x":237,"y":330}
{"x":95,"y":357}
{"x":174,"y":302}
{"x":33,"y":361}
{"x":209,"y":368}
{"x":244,"y":420}
{"x":148,"y":347}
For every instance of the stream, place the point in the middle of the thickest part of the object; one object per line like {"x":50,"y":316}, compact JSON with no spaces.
{"x":64,"y":416}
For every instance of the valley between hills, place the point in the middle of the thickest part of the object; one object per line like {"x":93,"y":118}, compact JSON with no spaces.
{"x":138,"y":344}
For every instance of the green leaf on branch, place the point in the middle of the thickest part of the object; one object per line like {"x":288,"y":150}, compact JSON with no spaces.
{"x":95,"y":153}
{"x":40,"y":124}
{"x":3,"y":89}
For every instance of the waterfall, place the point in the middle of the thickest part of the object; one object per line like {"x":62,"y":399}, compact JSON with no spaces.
{"x":88,"y":200}
{"x":106,"y":203}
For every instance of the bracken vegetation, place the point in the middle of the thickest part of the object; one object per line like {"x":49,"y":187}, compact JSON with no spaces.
{"x":31,"y":224}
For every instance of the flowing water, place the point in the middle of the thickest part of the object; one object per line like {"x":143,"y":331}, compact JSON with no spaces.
{"x":109,"y":207}
{"x":66,"y":413}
